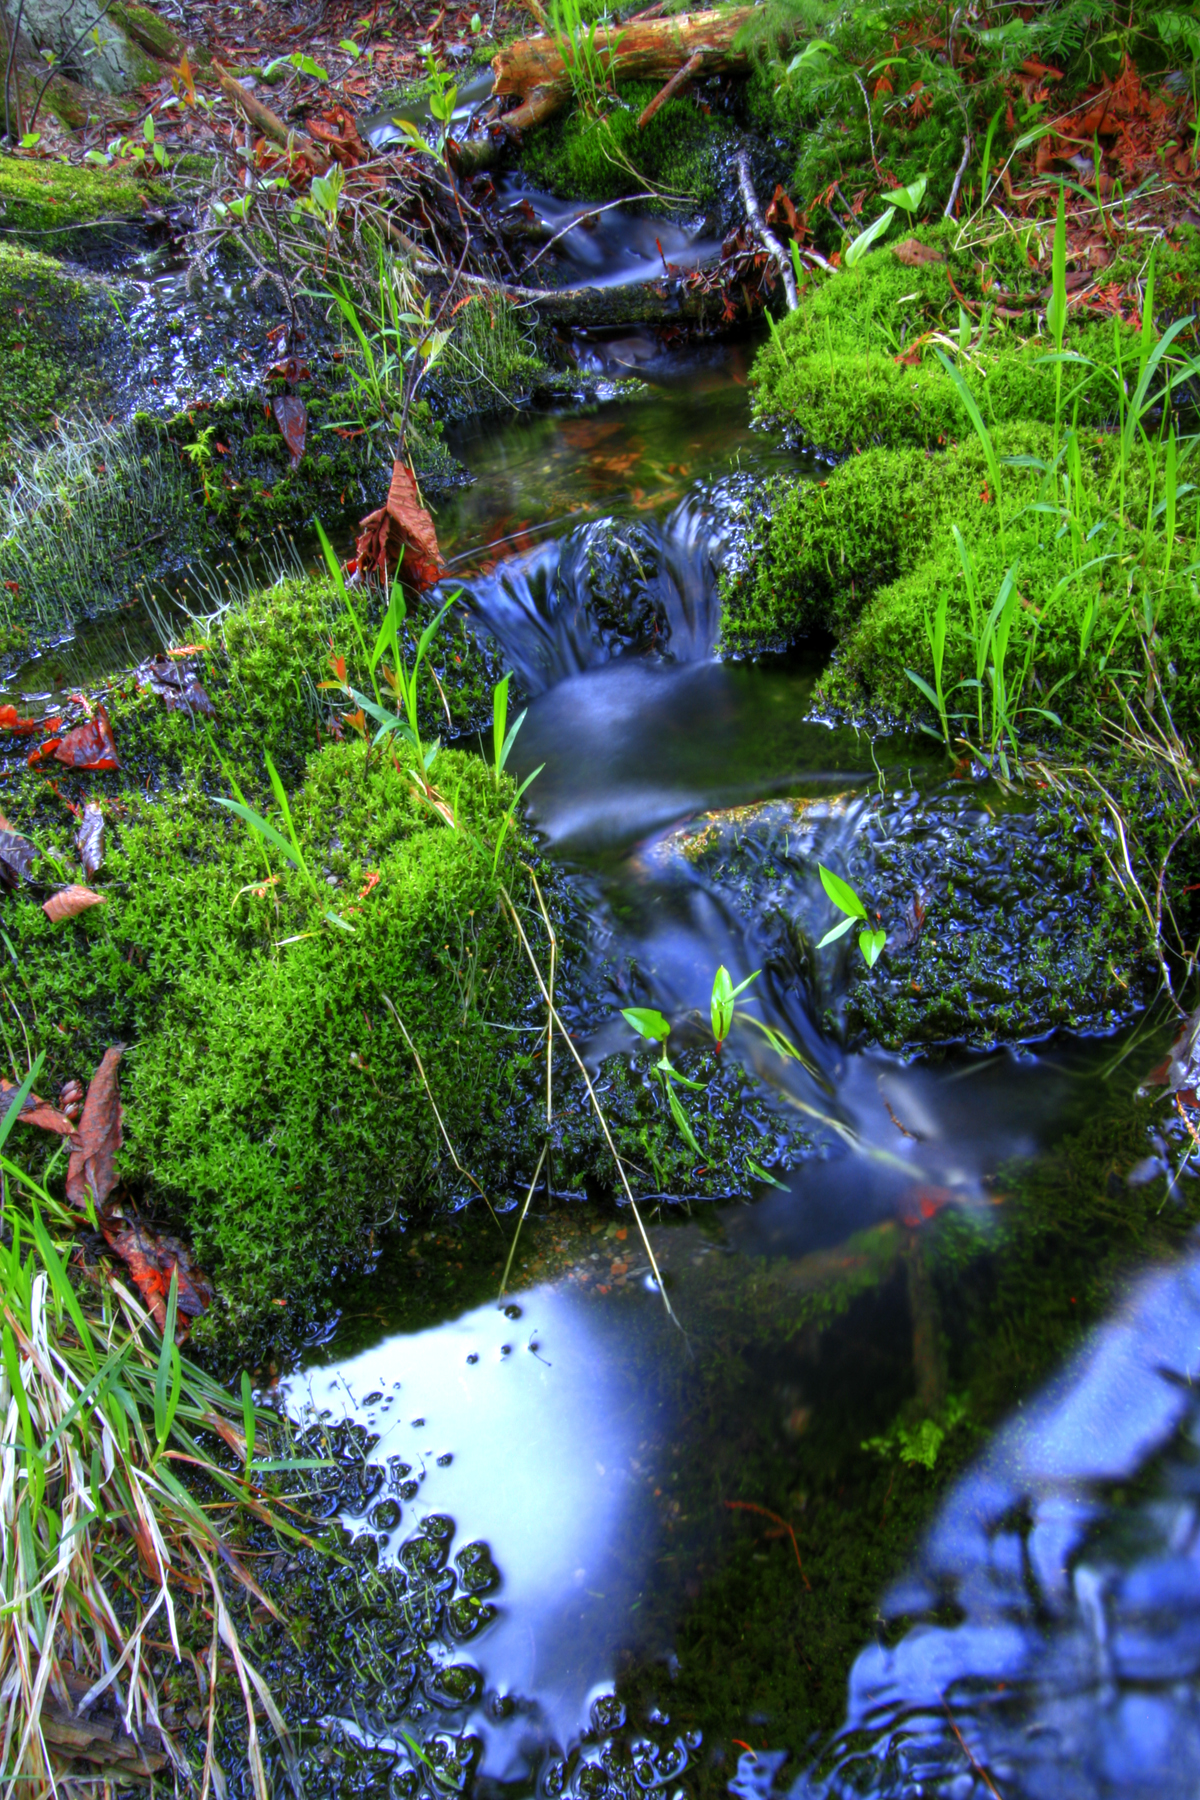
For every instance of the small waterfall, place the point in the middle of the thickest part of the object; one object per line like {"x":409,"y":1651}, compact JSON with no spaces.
{"x":610,"y":588}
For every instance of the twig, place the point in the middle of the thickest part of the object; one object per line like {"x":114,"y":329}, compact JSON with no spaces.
{"x":587,"y":1081}
{"x":64,"y":59}
{"x":977,"y":1767}
{"x":870,"y":126}
{"x":12,"y":57}
{"x":749,"y":1506}
{"x":516,"y":1234}
{"x":437,"y":1115}
{"x":962,"y":169}
{"x":593,"y":212}
{"x":767,"y":238}
{"x":680,"y":79}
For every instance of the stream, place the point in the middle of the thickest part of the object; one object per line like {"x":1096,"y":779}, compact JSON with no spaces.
{"x":585,"y":1466}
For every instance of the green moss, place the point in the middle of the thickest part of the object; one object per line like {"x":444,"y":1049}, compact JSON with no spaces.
{"x":600,"y":158}
{"x":51,"y":329}
{"x":42,"y":200}
{"x":148,"y":30}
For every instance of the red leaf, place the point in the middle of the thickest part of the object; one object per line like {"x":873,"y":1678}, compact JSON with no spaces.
{"x":35,"y":1111}
{"x":291,"y":415}
{"x":10,"y":720}
{"x":69,"y":902}
{"x":400,"y":529}
{"x":152,"y":1259}
{"x":90,"y":746}
{"x":89,"y":839}
{"x":90,"y":1170}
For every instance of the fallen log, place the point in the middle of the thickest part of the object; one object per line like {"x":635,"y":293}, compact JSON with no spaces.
{"x":535,"y":71}
{"x":634,"y":303}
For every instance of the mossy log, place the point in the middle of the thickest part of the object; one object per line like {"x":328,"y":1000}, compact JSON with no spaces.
{"x":534,"y":69}
{"x":631,"y":303}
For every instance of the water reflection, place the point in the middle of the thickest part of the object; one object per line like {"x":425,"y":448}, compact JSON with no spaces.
{"x":1068,"y":1561}
{"x":521,"y":1426}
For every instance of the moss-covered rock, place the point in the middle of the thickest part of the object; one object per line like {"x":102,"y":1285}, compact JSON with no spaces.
{"x":45,"y":203}
{"x":53,"y":327}
{"x":601,"y":156}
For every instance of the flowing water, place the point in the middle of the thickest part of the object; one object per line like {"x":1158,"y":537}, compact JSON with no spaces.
{"x":611,"y":1467}
{"x":651,"y":1545}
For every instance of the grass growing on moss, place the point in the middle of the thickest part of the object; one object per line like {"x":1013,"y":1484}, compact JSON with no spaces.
{"x":600,"y":157}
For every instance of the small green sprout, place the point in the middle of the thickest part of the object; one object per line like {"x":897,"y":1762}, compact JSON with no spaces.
{"x":724,"y":994}
{"x":870,"y":942}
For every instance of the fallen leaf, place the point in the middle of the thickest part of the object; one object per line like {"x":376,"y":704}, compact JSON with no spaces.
{"x":291,"y":415}
{"x":89,"y":746}
{"x":1180,"y":1069}
{"x":90,"y":1170}
{"x":10,"y":720}
{"x":782,"y":212}
{"x":34,"y":1112}
{"x":152,"y":1259}
{"x":177,"y":685}
{"x":290,"y":369}
{"x":912,"y":253}
{"x":401,"y":528}
{"x":89,"y":839}
{"x":17,"y":857}
{"x":69,"y":902}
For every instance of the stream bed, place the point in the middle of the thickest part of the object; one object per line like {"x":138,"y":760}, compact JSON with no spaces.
{"x":653,"y":1541}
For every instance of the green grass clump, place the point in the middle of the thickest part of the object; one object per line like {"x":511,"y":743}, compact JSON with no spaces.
{"x":590,"y":157}
{"x":272,"y":1105}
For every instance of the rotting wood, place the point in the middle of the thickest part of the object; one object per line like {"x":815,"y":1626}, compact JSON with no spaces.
{"x":534,"y":70}
{"x":268,"y":122}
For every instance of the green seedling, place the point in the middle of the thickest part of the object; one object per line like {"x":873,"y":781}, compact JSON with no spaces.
{"x":650,"y":1024}
{"x":870,"y":941}
{"x":724,"y":995}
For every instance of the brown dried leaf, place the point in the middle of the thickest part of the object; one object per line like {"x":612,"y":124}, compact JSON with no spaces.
{"x":69,"y":902}
{"x":400,"y":529}
{"x":89,"y":839}
{"x":90,"y":746}
{"x":35,"y":1111}
{"x":912,"y":253}
{"x":291,"y":415}
{"x":90,"y":1170}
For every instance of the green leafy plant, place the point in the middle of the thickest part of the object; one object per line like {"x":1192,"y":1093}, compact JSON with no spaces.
{"x":651,"y":1025}
{"x":870,"y":940}
{"x":724,"y":997}
{"x":589,"y":66}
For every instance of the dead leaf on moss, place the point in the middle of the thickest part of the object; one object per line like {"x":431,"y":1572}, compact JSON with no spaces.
{"x":89,"y":839}
{"x":914,"y":255}
{"x":90,"y":1170}
{"x":89,"y":746}
{"x":176,"y":684}
{"x":291,"y":415}
{"x":35,"y":1111}
{"x":69,"y":902}
{"x":400,"y":533}
{"x":152,"y":1258}
{"x":11,"y":720}
{"x":17,"y":856}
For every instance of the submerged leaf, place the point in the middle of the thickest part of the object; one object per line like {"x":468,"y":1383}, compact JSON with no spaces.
{"x":69,"y":902}
{"x":291,"y":415}
{"x":91,"y":1171}
{"x":10,"y":720}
